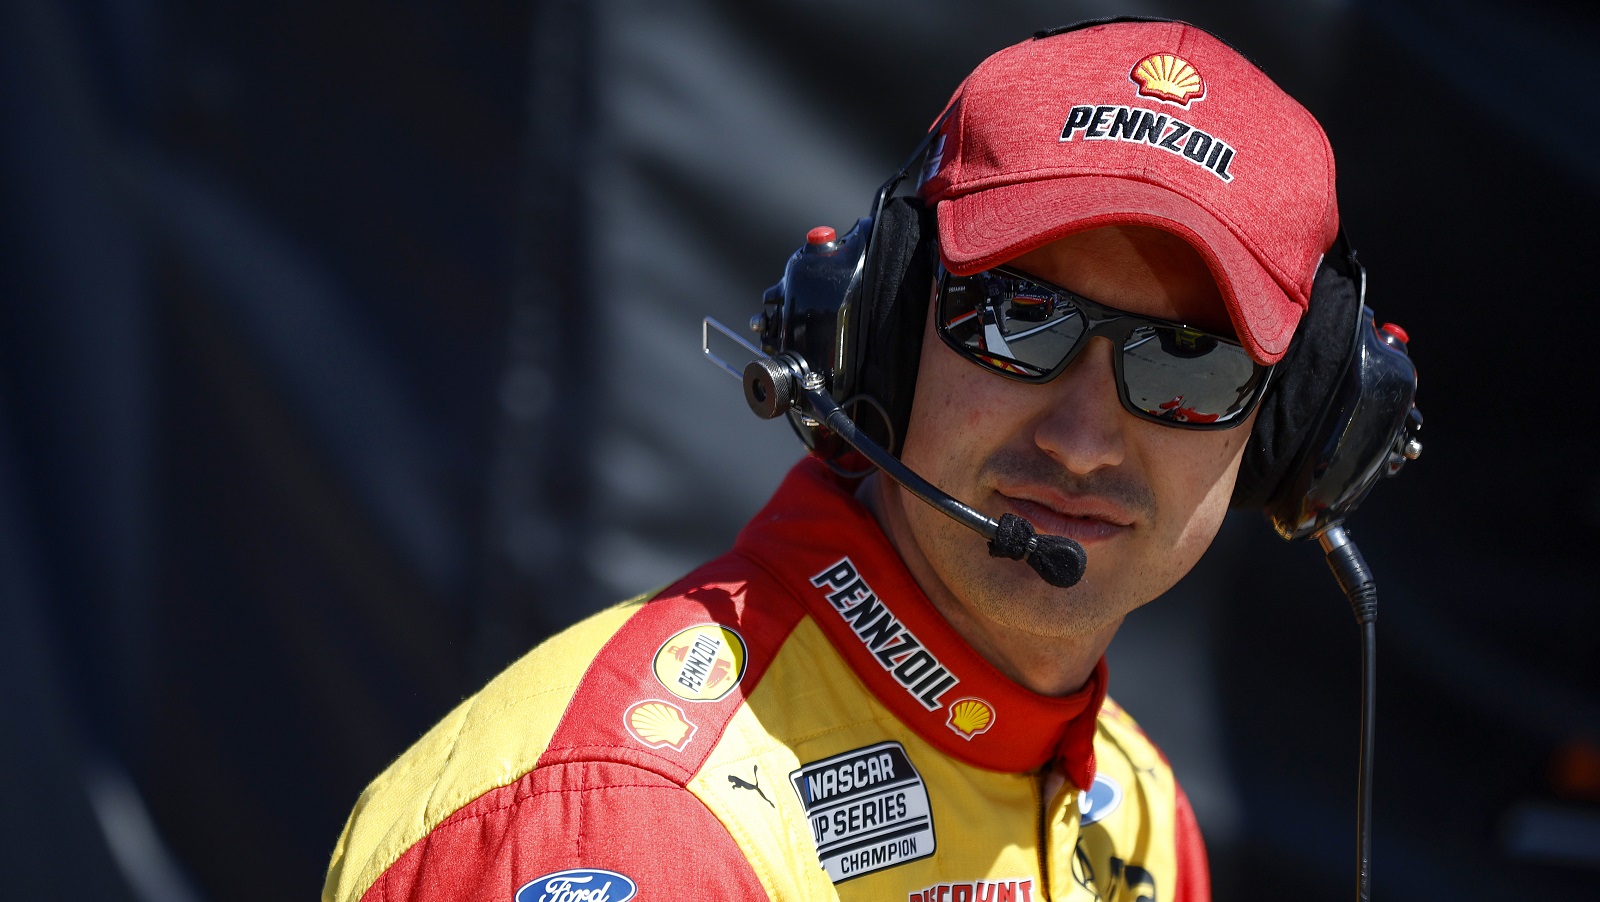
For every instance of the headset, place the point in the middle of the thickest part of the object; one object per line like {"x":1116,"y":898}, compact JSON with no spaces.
{"x":1339,"y":415}
{"x":840,"y":338}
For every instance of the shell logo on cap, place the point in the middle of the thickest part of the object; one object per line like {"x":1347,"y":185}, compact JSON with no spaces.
{"x":659,"y":724}
{"x":1165,"y":76}
{"x":702,"y":663}
{"x":969,"y":717}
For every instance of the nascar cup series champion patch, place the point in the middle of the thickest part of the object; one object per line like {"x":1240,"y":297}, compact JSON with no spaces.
{"x":868,"y":810}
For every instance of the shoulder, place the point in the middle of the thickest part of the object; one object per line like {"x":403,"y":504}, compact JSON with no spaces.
{"x":1118,"y":732}
{"x":576,"y":751}
{"x":1136,"y":819}
{"x":1134,"y":788}
{"x":488,"y":741}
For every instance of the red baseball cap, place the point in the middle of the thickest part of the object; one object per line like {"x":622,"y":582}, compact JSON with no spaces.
{"x":1140,"y":123}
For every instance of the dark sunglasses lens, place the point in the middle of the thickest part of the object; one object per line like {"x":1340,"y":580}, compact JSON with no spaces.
{"x":1188,"y":377}
{"x":1009,"y":324}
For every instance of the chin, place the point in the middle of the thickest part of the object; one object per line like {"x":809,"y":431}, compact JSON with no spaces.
{"x":1014,"y":596}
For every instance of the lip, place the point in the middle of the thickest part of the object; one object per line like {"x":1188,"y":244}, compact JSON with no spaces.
{"x":1085,"y":519}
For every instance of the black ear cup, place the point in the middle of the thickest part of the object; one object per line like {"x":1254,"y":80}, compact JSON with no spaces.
{"x":853,"y":309}
{"x":1302,"y":384}
{"x":899,"y":286}
{"x":1340,"y":416}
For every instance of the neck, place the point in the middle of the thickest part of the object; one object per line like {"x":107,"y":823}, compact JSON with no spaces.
{"x":1048,"y":665}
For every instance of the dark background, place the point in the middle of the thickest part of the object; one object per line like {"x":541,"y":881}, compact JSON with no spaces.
{"x":348,"y":349}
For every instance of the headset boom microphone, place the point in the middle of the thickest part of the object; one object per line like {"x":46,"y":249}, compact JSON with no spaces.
{"x":770,"y":385}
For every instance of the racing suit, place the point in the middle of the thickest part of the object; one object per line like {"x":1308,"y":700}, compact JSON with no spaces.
{"x":791,"y":721}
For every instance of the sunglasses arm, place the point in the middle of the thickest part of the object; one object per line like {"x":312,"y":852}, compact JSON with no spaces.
{"x":774,"y":385}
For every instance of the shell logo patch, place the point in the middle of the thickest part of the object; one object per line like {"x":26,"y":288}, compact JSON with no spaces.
{"x":702,"y":663}
{"x":659,"y":724}
{"x":970,"y":716}
{"x":579,"y":883}
{"x":1165,"y":76}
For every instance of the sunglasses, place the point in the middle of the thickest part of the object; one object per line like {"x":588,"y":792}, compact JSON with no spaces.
{"x":1028,"y":330}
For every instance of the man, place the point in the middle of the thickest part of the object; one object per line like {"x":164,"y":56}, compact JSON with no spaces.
{"x":859,"y":701}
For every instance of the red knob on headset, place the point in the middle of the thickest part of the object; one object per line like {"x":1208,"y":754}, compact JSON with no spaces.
{"x":1393,"y":333}
{"x":822,"y":235}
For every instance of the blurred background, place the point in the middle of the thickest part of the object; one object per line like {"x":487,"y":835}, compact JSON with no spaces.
{"x":349,"y":349}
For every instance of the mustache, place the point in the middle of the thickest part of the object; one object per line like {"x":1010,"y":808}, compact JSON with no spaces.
{"x":1034,"y":467}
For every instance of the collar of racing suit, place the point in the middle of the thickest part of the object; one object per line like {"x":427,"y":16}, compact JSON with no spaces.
{"x":825,"y":546}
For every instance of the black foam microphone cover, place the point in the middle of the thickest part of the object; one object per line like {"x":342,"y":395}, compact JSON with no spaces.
{"x":1057,"y":559}
{"x":1011,"y":537}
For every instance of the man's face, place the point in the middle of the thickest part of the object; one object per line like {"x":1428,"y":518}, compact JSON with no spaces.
{"x":1144,"y":499}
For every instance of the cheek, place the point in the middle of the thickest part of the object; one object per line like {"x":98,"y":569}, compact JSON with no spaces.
{"x":957,"y":408}
{"x":1197,"y":484}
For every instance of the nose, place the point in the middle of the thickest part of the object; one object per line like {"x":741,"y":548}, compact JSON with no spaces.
{"x":1082,"y":429}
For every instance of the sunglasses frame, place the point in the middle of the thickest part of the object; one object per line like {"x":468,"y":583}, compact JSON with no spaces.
{"x":1106,"y":322}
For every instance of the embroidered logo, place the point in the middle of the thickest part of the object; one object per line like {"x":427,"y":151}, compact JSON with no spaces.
{"x":1101,"y":799}
{"x":659,"y":724}
{"x":579,"y":885}
{"x":901,"y":653}
{"x":755,"y":775}
{"x":1165,"y":76}
{"x":1019,"y":889}
{"x":702,"y":663}
{"x":1122,"y":880}
{"x":868,"y":810}
{"x":1140,"y":126}
{"x":970,"y":716}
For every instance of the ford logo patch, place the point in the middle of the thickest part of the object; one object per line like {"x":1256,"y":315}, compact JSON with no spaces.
{"x":578,"y":885}
{"x":1101,"y":799}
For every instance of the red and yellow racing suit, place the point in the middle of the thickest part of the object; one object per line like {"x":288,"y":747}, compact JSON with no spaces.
{"x":791,"y":721}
